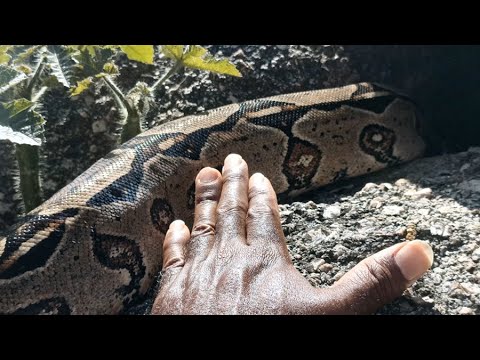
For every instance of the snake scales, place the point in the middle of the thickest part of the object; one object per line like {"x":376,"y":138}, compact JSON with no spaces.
{"x":95,"y":246}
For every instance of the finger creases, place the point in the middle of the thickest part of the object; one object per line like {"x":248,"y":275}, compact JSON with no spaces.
{"x":381,"y":278}
{"x":233,"y":204}
{"x":174,"y":245}
{"x":263,"y":218}
{"x":208,"y":187}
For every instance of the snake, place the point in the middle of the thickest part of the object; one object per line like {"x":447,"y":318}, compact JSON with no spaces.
{"x":95,"y":247}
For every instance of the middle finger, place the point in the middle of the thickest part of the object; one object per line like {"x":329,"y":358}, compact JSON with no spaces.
{"x":233,"y":205}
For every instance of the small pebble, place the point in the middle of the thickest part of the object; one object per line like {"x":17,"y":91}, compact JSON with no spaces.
{"x":392,"y":210}
{"x":420,"y":194}
{"x":369,"y":186}
{"x":466,"y":311}
{"x":402,"y":182}
{"x":423,"y":212}
{"x":315,"y":265}
{"x":325,"y":267}
{"x":439,"y":229}
{"x":99,"y":126}
{"x":385,"y":186}
{"x":331,"y":212}
{"x":375,"y":203}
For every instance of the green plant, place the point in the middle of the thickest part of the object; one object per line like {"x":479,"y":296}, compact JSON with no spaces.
{"x":135,"y":103}
{"x":23,"y":81}
{"x":26,"y":72}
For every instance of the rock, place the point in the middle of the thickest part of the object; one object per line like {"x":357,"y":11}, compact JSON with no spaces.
{"x":439,"y":229}
{"x":476,"y":255}
{"x":325,"y":267}
{"x":369,"y":186}
{"x":466,"y":311}
{"x":285,"y":212}
{"x":310,"y":205}
{"x":99,"y":126}
{"x":423,"y":212}
{"x":392,"y":210}
{"x":402,"y":183}
{"x":385,"y":186}
{"x":445,"y":209}
{"x":339,"y":250}
{"x":332,"y":212}
{"x":315,"y":265}
{"x":422,"y":193}
{"x":375,"y":203}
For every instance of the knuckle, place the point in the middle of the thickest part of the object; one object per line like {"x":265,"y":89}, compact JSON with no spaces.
{"x":208,"y":191}
{"x":256,"y":191}
{"x":232,"y":209}
{"x":202,"y":229}
{"x":260,"y":211}
{"x":174,"y":262}
{"x":235,"y":175}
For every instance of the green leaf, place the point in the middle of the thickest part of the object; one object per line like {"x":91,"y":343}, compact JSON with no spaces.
{"x":197,"y":57}
{"x":4,"y":57}
{"x":20,"y":124}
{"x":23,"y":53}
{"x":17,"y":137}
{"x":195,"y":51}
{"x":174,"y":52}
{"x":141,"y":53}
{"x":24,"y":69}
{"x":90,"y":49}
{"x":9,"y":77}
{"x":89,"y":65}
{"x":61,"y":64}
{"x":111,"y":69}
{"x":81,"y":86}
{"x":17,"y":106}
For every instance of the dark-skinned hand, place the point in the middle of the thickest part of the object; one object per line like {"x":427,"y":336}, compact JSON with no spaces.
{"x":235,"y":260}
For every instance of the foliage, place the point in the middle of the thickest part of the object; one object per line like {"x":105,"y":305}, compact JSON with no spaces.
{"x":26,"y":72}
{"x":197,"y":57}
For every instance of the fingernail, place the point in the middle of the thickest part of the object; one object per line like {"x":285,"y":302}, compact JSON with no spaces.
{"x":177,"y":224}
{"x":414,"y":259}
{"x":257,"y":179}
{"x":207,"y":176}
{"x":233,"y":160}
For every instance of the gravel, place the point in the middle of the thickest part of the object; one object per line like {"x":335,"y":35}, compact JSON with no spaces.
{"x":419,"y":200}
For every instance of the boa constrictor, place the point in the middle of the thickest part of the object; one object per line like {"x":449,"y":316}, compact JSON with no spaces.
{"x":96,"y":245}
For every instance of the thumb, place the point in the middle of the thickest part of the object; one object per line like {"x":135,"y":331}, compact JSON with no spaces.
{"x":381,"y":278}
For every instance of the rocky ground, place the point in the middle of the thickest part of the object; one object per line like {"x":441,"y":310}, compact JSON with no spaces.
{"x":434,"y":199}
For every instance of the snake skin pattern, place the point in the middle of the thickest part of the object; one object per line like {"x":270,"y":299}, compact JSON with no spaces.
{"x":96,"y":245}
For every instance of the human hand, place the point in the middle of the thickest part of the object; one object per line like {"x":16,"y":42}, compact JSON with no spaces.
{"x":236,"y":261}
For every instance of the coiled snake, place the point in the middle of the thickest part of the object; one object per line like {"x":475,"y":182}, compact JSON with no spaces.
{"x":96,"y":245}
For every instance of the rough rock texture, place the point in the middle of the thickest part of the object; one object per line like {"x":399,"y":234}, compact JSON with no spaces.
{"x":435,"y":199}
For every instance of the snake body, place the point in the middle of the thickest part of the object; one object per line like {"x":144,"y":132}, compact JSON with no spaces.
{"x":96,"y":245}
